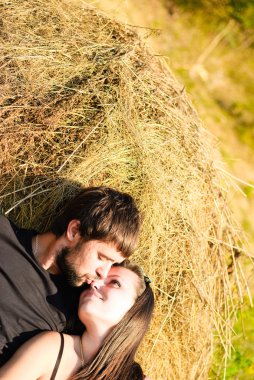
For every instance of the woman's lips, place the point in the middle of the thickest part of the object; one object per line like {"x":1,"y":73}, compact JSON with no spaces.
{"x":91,"y":293}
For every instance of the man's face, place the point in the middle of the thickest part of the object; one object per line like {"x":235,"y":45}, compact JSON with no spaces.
{"x":87,"y":261}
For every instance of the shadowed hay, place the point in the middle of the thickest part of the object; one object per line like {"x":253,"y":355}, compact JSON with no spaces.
{"x":83,"y":102}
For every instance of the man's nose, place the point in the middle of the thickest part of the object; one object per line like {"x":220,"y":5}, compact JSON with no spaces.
{"x":102,"y":271}
{"x":97,"y":283}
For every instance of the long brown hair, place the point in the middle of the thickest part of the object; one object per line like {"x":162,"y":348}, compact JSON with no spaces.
{"x":115,"y":359}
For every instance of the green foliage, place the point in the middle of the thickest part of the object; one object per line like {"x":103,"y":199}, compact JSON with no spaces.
{"x":240,"y":365}
{"x":248,"y":191}
{"x":240,"y":10}
{"x":241,"y":362}
{"x":243,"y":12}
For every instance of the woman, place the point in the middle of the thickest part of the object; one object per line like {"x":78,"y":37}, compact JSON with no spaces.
{"x":116,"y":313}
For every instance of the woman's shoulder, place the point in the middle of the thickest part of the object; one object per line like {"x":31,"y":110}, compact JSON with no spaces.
{"x":51,"y":338}
{"x":54,"y":339}
{"x":49,"y":343}
{"x":34,"y":347}
{"x":48,"y":335}
{"x":34,"y":359}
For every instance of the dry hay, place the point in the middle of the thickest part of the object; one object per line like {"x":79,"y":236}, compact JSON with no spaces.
{"x":83,"y":102}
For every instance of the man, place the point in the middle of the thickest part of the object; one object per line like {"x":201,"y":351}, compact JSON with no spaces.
{"x":40,"y":275}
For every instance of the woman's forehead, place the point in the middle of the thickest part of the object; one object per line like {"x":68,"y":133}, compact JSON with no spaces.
{"x":124,"y":273}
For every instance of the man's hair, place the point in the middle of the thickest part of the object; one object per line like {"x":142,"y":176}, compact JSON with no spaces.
{"x":104,"y":214}
{"x":115,"y":359}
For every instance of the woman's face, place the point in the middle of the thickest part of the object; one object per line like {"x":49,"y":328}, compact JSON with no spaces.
{"x":109,"y":299}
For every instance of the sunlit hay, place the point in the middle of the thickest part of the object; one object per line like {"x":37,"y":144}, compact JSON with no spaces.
{"x":85,"y":103}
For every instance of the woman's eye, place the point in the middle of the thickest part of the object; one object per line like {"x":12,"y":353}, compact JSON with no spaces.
{"x":115,"y":283}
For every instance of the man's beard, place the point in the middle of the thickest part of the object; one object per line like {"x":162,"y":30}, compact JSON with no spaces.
{"x":68,"y":269}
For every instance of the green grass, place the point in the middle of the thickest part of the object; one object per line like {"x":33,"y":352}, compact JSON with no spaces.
{"x":241,"y":364}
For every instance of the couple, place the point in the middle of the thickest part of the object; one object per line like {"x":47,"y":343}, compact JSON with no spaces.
{"x":42,"y":277}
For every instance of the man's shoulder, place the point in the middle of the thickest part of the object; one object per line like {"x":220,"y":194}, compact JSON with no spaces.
{"x":10,"y":232}
{"x":4,"y":219}
{"x":4,"y":223}
{"x":7,"y":225}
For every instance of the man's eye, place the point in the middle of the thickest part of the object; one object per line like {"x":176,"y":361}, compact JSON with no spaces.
{"x":102,"y":258}
{"x":115,"y":283}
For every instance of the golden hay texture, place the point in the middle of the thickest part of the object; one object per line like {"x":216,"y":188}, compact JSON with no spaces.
{"x":84,"y":102}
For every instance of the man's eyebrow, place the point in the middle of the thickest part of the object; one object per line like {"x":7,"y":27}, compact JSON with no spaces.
{"x":106,"y":256}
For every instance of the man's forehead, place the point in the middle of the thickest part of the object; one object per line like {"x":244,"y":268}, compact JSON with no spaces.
{"x":111,"y":249}
{"x":116,"y":257}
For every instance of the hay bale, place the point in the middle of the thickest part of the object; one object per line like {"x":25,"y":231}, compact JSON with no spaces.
{"x":84,"y":102}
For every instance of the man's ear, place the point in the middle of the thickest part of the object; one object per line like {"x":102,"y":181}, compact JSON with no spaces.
{"x":72,"y":233}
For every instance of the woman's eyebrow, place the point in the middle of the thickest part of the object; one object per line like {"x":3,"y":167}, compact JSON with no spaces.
{"x":116,"y":275}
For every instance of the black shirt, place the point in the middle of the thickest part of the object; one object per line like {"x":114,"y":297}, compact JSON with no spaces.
{"x":31,"y":299}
